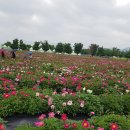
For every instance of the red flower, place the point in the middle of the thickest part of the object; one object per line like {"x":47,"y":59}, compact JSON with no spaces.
{"x":2,"y":126}
{"x":6,"y":95}
{"x":114,"y":126}
{"x":79,"y":87}
{"x":14,"y":93}
{"x":66,"y":126}
{"x":64,"y":117}
{"x":74,"y":125}
{"x":85,"y":124}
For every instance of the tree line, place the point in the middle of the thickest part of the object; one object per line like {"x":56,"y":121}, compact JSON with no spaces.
{"x":93,"y":49}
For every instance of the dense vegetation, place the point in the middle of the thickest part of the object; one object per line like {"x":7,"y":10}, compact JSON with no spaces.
{"x":61,"y":85}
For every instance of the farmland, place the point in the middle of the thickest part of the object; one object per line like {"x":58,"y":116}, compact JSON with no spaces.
{"x":64,"y":85}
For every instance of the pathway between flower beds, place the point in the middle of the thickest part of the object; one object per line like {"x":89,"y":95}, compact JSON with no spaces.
{"x":17,"y":120}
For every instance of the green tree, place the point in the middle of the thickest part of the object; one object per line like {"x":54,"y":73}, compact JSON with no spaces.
{"x":22,"y":45}
{"x":45,"y":45}
{"x":85,"y":51}
{"x":100,"y":51}
{"x":115,"y":51}
{"x":7,"y":44}
{"x":36,"y":46}
{"x":127,"y":54}
{"x":15,"y":44}
{"x":67,"y":48}
{"x":51,"y":47}
{"x":78,"y":48}
{"x":28,"y":47}
{"x":59,"y":47}
{"x":108,"y":52}
{"x":93,"y":49}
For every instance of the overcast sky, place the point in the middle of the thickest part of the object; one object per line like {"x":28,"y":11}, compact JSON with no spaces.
{"x":104,"y":22}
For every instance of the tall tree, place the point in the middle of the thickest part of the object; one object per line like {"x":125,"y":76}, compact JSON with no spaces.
{"x":67,"y":48}
{"x":7,"y":44}
{"x":45,"y":45}
{"x":15,"y":44}
{"x":100,"y":51}
{"x":115,"y":51}
{"x":22,"y":45}
{"x":51,"y":47}
{"x":93,"y":49}
{"x":85,"y":51}
{"x":59,"y":47}
{"x":127,"y":54}
{"x":36,"y":46}
{"x":78,"y":48}
{"x":28,"y":47}
{"x":107,"y":52}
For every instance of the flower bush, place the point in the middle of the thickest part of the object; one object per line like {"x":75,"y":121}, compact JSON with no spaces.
{"x":59,"y":84}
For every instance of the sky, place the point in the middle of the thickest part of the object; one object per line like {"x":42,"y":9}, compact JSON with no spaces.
{"x":102,"y":22}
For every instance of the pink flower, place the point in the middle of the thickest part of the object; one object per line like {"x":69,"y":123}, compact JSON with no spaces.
{"x":49,"y":101}
{"x":39,"y":124}
{"x":51,"y":114}
{"x":92,"y":113}
{"x":42,"y":116}
{"x":14,"y":93}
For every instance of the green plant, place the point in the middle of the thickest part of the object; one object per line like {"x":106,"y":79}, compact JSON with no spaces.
{"x":106,"y":120}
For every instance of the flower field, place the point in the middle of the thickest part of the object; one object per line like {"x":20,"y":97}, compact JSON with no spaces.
{"x":54,"y":85}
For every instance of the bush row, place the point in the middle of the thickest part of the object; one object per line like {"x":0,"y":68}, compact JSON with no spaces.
{"x":32,"y":102}
{"x":96,"y":123}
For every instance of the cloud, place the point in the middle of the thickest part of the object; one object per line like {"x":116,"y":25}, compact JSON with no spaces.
{"x":102,"y":22}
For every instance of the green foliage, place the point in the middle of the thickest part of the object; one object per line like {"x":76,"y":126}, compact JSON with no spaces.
{"x":67,"y":48}
{"x":127,"y":54}
{"x":126,"y":103}
{"x":59,"y":47}
{"x":15,"y":44}
{"x":100,"y":51}
{"x":78,"y":48}
{"x":93,"y":49}
{"x":112,"y":103}
{"x":51,"y":47}
{"x":106,"y":120}
{"x":36,"y":46}
{"x":45,"y":45}
{"x":22,"y":45}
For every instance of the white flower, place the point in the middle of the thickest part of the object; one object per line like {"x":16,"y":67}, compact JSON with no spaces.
{"x":84,"y":89}
{"x":52,"y":107}
{"x":64,"y":104}
{"x":37,"y":94}
{"x":81,"y":104}
{"x":127,"y":91}
{"x":69,"y":103}
{"x":58,"y":112}
{"x":89,"y":91}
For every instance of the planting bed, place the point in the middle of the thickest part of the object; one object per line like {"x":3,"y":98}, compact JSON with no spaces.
{"x":83,"y":92}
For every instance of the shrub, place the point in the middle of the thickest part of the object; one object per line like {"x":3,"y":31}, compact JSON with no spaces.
{"x":106,"y":120}
{"x":112,"y":103}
